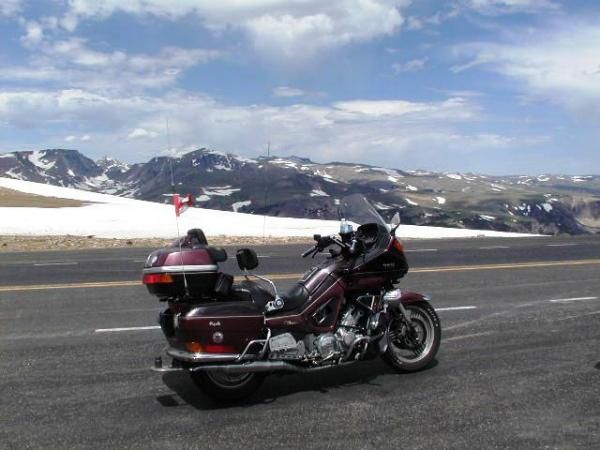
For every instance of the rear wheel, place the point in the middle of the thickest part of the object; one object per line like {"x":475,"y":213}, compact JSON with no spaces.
{"x":227,"y":387}
{"x":413,"y":348}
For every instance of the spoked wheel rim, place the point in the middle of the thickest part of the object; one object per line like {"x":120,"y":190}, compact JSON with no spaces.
{"x":412,"y":347}
{"x":229,"y":380}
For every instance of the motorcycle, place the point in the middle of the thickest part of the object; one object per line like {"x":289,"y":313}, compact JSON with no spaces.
{"x":229,"y":336}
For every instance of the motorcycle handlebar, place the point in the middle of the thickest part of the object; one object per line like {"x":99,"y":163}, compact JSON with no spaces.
{"x":308,"y":252}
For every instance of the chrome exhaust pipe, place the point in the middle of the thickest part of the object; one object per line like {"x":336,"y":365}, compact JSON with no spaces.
{"x":258,"y":366}
{"x":264,"y":366}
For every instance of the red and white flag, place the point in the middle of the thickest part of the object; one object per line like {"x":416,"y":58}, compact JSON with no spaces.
{"x":182,"y":204}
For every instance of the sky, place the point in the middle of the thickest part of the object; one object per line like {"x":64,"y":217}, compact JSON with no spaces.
{"x":487,"y":86}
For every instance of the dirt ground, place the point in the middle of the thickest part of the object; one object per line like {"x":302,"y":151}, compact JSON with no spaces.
{"x":48,"y":243}
{"x":11,"y":198}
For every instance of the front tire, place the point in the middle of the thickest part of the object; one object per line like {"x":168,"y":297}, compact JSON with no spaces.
{"x":412,"y":350}
{"x":226,"y":387}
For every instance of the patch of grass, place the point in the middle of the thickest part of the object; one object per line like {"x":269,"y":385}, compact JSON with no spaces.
{"x":10,"y":198}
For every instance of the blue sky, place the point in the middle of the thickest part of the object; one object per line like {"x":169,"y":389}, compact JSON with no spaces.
{"x":492,"y":86}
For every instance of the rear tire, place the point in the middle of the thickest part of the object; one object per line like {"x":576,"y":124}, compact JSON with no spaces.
{"x":407,"y":353}
{"x":227,"y":387}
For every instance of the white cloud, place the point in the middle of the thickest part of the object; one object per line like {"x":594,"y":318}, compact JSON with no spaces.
{"x":414,"y":65}
{"x":495,"y":7}
{"x":286,"y":91}
{"x":10,"y":7}
{"x":141,"y":133}
{"x":71,"y":138}
{"x":294,"y":30}
{"x":560,"y":65}
{"x":382,"y":131}
{"x":85,"y":138}
{"x":72,"y":63}
{"x":34,"y":33}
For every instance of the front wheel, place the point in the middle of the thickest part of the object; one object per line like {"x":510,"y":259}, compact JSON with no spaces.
{"x":227,"y":387}
{"x":413,"y":348}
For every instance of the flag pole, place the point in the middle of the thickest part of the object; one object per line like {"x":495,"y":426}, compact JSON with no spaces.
{"x":174,"y":196}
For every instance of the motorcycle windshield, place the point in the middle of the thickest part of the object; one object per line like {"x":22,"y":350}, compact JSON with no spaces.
{"x":356,"y":208}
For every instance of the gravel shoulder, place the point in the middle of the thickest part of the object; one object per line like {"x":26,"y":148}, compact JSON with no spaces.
{"x":11,"y":243}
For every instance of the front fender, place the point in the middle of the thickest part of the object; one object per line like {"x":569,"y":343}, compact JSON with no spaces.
{"x":412,"y":297}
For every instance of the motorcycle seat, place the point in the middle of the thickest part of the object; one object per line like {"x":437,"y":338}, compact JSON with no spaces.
{"x":294,"y":299}
{"x":259,"y":295}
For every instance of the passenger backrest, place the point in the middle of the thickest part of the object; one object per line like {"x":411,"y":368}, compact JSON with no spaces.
{"x":247,"y":259}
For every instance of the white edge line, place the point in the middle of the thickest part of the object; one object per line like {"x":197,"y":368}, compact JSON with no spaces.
{"x":419,"y":250}
{"x":73,"y":263}
{"x":493,"y":247}
{"x":456,"y":308}
{"x":575,"y":299}
{"x":561,"y":245}
{"x":110,"y":330}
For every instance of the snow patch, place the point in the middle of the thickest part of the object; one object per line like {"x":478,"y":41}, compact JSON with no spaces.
{"x":36,"y":158}
{"x":487,"y":218}
{"x":454,"y":176}
{"x":390,"y":172}
{"x":412,"y":188}
{"x":411,"y":202}
{"x":221,"y":191}
{"x":382,"y":206}
{"x":13,"y":174}
{"x":547,"y":207}
{"x":109,"y":216}
{"x":318,"y":193}
{"x":440,"y":200}
{"x":237,"y":205}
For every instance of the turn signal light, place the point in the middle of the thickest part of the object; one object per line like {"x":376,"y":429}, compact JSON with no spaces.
{"x":398,"y":245}
{"x":194,"y":347}
{"x":157,"y":278}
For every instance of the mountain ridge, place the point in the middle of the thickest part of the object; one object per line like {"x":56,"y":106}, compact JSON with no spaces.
{"x":298,"y":187}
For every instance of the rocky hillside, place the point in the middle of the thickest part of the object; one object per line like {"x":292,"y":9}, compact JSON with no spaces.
{"x":298,"y":187}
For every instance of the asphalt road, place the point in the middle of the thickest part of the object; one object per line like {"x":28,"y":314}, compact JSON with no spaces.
{"x":519,"y":365}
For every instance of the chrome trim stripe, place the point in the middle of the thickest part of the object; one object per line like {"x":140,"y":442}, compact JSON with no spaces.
{"x":201,"y":357}
{"x":190,"y":268}
{"x":222,"y":317}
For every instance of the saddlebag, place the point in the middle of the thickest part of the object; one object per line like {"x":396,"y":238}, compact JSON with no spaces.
{"x":223,"y":327}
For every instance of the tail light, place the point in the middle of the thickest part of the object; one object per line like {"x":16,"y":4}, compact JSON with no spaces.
{"x":197,"y":347}
{"x":398,"y":245}
{"x":157,"y":278}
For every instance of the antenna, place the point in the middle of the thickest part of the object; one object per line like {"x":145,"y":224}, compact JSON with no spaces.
{"x":185,"y":283}
{"x":266,"y":190}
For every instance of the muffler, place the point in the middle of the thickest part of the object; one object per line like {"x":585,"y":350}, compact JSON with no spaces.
{"x":263,"y":366}
{"x":257,"y":366}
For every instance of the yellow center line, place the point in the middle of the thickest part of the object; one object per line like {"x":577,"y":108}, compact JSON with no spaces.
{"x":294,"y":276}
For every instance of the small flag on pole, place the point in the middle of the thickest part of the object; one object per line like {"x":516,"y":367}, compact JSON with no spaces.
{"x":181,"y":205}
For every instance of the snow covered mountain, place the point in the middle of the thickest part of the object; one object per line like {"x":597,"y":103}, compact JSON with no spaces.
{"x":298,"y":187}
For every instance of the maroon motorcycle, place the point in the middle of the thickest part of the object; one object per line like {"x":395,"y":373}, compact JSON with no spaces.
{"x":346,"y":309}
